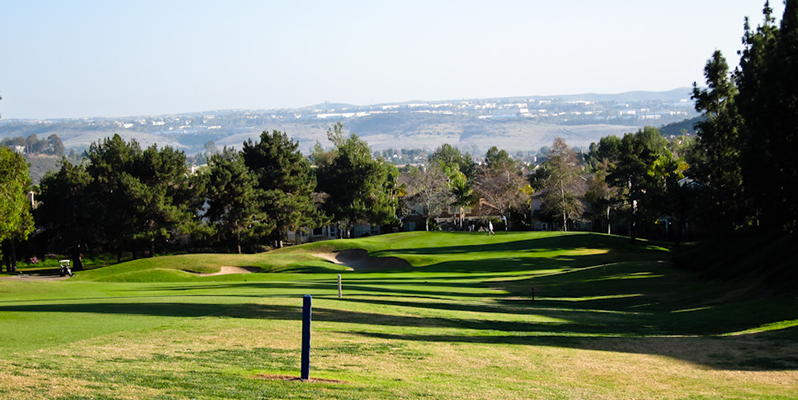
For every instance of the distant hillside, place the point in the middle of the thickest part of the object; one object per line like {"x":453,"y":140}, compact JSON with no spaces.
{"x":40,"y":165}
{"x":682,"y":127}
{"x":475,"y":135}
{"x":515,"y":123}
{"x":675,"y":95}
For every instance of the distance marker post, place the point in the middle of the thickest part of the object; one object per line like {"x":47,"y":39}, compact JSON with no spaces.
{"x":306,"y":306}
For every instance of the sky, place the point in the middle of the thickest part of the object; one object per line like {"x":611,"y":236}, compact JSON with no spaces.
{"x":71,"y":59}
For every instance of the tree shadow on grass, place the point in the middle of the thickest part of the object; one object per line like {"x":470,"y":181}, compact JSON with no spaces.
{"x":289,"y":313}
{"x":636,"y":304}
{"x":739,"y":353}
{"x":579,"y":329}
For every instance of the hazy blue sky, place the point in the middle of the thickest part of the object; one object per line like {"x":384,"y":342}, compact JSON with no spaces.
{"x":113,"y":58}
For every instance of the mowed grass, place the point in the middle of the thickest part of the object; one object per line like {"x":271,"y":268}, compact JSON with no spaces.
{"x":609,"y":320}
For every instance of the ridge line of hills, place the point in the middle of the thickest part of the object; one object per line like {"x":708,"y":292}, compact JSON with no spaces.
{"x":517,"y":123}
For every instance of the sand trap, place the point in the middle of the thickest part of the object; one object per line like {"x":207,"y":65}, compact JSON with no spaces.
{"x":227,"y":270}
{"x":360,"y":260}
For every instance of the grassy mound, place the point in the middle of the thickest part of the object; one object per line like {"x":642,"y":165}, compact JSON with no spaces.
{"x":186,"y":268}
{"x":515,"y":316}
{"x":425,"y":251}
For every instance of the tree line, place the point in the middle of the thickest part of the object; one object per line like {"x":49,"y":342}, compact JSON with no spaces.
{"x":740,"y":170}
{"x":33,"y":145}
{"x":125,"y":199}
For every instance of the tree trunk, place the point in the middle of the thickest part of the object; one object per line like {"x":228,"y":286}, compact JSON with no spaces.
{"x":634,"y":215}
{"x":12,"y":265}
{"x":426,"y":224}
{"x":5,"y":262}
{"x":633,"y":223}
{"x":563,"y":206}
{"x":609,"y":225}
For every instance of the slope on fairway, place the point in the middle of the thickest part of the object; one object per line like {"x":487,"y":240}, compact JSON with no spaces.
{"x":424,"y":251}
{"x":608,"y":320}
{"x":583,"y":270}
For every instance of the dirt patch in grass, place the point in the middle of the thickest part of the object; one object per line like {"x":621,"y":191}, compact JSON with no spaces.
{"x":360,"y":260}
{"x":290,"y":378}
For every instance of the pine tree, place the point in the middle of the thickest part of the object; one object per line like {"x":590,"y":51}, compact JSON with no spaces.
{"x":108,"y":163}
{"x":138,"y":197}
{"x":285,"y":184}
{"x":66,"y":211}
{"x":783,"y":87}
{"x":358,"y":188}
{"x":638,"y":152}
{"x":232,"y":197}
{"x":769,"y":104}
{"x":753,"y":104}
{"x":720,"y":143}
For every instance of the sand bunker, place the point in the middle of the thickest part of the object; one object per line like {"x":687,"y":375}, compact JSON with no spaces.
{"x":360,"y":260}
{"x":227,"y":270}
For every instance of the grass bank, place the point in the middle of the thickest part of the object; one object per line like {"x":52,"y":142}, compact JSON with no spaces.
{"x":609,"y":320}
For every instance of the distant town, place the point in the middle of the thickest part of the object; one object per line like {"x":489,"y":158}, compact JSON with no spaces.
{"x":522,"y":123}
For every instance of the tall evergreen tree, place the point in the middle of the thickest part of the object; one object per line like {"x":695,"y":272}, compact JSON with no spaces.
{"x":232,"y":197}
{"x":782,"y":85}
{"x":160,"y":193}
{"x":720,"y":143}
{"x":638,"y":152}
{"x":769,"y":104}
{"x":108,"y":162}
{"x":358,"y":187}
{"x":450,"y":156}
{"x":285,"y":183}
{"x":498,"y":160}
{"x":140,"y":197}
{"x":66,"y":213}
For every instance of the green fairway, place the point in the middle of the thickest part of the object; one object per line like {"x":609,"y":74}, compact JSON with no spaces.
{"x":609,"y":320}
